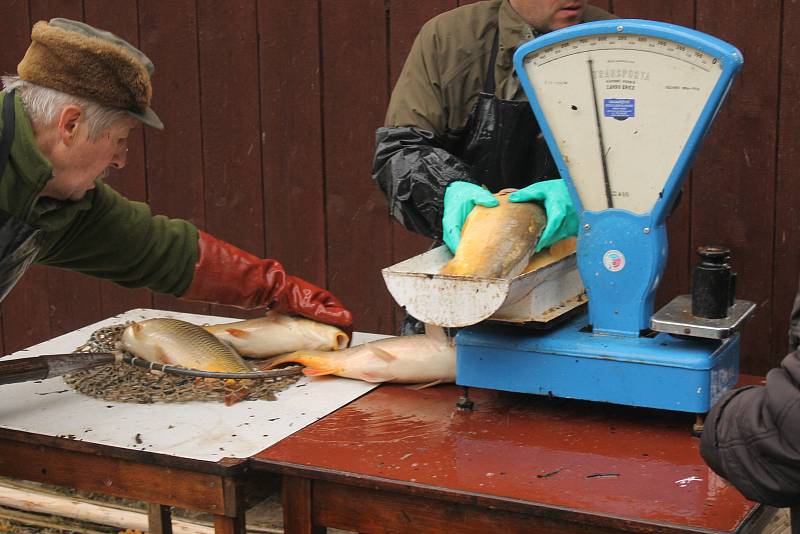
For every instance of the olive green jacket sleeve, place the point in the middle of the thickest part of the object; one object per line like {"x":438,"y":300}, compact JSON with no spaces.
{"x":122,"y":241}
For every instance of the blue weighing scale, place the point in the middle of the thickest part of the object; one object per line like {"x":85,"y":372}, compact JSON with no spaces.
{"x":624,"y":106}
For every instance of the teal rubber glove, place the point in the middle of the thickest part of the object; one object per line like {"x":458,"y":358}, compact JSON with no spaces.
{"x":562,"y":220}
{"x":459,"y":199}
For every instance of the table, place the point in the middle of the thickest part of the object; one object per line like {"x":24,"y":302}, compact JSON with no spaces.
{"x":192,"y":455}
{"x":400,"y":460}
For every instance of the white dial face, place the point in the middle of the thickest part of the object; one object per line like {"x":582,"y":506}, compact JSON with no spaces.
{"x":621,"y":108}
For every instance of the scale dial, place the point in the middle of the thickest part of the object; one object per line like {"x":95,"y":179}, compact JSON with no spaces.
{"x":621,"y":107}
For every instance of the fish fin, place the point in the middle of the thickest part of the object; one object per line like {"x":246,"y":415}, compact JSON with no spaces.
{"x":375,"y":377}
{"x":382,"y":354}
{"x":316,"y":372}
{"x":436,"y":333}
{"x":236,"y":332}
{"x":162,"y":356}
{"x":423,"y":386}
{"x":275,"y":361}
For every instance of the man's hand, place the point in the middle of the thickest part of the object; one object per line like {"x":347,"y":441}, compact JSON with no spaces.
{"x":459,"y":199}
{"x":225,"y":274}
{"x":562,"y":220}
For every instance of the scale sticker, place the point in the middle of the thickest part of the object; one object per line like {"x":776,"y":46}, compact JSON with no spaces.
{"x":619,"y":108}
{"x":614,"y":260}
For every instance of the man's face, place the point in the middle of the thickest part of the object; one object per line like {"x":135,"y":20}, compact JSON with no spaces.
{"x":78,"y":164}
{"x":549,"y":15}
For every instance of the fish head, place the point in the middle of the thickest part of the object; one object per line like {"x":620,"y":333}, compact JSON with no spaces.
{"x":131,"y":332}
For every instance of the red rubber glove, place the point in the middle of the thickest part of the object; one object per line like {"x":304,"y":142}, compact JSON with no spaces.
{"x":225,"y":274}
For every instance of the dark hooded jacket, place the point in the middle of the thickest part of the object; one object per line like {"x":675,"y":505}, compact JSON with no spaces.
{"x":752,"y":436}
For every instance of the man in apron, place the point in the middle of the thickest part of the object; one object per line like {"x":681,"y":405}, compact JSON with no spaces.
{"x":65,"y":122}
{"x":459,"y":126}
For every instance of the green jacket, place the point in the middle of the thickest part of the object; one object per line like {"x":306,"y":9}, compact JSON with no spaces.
{"x":103,"y":234}
{"x":419,"y":150}
{"x":445,"y":70}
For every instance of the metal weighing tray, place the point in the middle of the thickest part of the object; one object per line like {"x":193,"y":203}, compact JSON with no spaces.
{"x":538,"y":296}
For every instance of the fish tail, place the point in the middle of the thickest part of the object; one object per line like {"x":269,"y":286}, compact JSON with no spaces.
{"x":300,"y":356}
{"x":316,"y":362}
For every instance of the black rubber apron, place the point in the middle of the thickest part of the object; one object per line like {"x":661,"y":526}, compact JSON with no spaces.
{"x":503,"y":145}
{"x":502,"y":141}
{"x":19,"y":241}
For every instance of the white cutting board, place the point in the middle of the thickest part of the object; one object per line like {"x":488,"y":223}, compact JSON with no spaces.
{"x":199,"y":430}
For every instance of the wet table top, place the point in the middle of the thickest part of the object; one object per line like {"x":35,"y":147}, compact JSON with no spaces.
{"x":623,"y":462}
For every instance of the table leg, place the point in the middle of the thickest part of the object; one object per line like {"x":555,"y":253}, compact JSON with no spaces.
{"x":159,"y":518}
{"x":230,"y":525}
{"x":297,"y":507}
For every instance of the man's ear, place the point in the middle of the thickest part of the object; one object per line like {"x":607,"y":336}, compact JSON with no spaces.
{"x":68,"y":121}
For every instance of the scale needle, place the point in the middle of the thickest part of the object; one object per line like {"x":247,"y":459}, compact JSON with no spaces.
{"x":609,"y":199}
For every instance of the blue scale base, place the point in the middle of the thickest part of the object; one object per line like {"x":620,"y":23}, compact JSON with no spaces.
{"x":664,"y":371}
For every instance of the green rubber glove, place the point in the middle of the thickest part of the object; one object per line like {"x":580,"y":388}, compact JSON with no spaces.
{"x":562,"y":220}
{"x":459,"y":199}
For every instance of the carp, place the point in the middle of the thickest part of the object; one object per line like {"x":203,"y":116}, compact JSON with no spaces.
{"x":276,"y":334}
{"x":176,"y":342}
{"x":553,"y":253}
{"x":498,"y":242}
{"x":426,"y":359}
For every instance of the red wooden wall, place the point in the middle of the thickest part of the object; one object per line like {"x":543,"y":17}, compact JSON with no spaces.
{"x":270,"y":109}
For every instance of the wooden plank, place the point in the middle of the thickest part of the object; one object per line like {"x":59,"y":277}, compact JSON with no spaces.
{"x":676,"y":279}
{"x":354,"y":102}
{"x":787,"y":197}
{"x":129,"y":181}
{"x":14,"y":39}
{"x":341,"y":506}
{"x":26,"y":310}
{"x":112,"y":476}
{"x":733,"y":196}
{"x":174,"y":157}
{"x":26,"y":318}
{"x":406,"y":18}
{"x":291,"y":123}
{"x":226,"y":468}
{"x":159,"y":519}
{"x":602,"y":4}
{"x":297,"y":507}
{"x":14,"y":34}
{"x":230,"y":127}
{"x":229,"y":525}
{"x":74,"y":298}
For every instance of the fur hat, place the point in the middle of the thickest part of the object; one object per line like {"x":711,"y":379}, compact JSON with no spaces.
{"x":83,"y":61}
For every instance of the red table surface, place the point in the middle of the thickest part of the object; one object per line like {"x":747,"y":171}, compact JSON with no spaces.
{"x":599,"y":458}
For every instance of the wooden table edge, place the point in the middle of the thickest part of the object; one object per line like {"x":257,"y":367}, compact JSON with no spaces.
{"x":757,"y":517}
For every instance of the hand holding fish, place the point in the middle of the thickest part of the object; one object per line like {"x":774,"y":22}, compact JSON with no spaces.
{"x":562,"y":219}
{"x":497,"y":242}
{"x":459,"y":199}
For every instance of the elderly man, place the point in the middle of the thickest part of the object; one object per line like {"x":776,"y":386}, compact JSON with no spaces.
{"x":459,"y":126}
{"x":65,"y":122}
